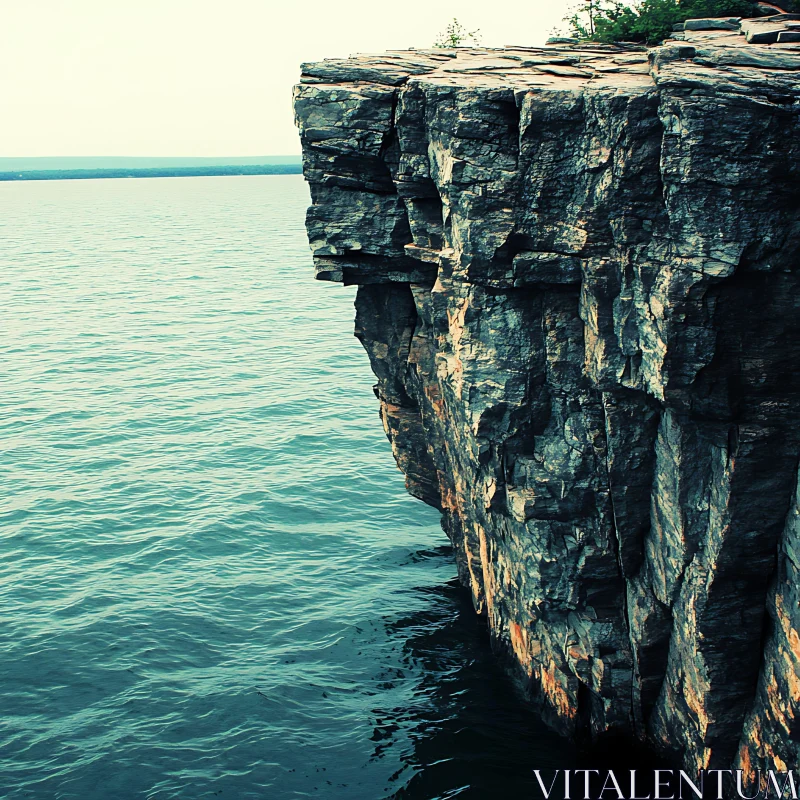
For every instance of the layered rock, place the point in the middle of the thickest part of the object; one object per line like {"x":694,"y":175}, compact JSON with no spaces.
{"x":578,"y":273}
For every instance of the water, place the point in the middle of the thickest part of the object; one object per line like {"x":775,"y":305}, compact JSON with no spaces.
{"x":212,"y":581}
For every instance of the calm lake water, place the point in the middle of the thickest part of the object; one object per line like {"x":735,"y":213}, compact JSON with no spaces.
{"x":212,"y":581}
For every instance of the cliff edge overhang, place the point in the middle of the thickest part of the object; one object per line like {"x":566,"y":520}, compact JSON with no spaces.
{"x":579,"y":289}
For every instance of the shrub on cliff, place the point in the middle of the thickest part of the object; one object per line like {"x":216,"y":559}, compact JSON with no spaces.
{"x":456,"y":35}
{"x":650,"y":21}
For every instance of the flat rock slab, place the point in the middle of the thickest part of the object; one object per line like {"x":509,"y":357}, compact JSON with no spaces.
{"x":721,"y":23}
{"x":735,"y":53}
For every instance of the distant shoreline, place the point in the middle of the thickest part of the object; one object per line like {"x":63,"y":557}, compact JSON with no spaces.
{"x":151,"y":172}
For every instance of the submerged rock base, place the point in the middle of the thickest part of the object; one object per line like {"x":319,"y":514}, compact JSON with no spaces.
{"x":579,"y":289}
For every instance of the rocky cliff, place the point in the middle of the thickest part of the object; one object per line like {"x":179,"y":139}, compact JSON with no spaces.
{"x":579,"y":289}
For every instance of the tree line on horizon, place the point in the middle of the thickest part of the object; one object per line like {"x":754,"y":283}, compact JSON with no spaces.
{"x":151,"y":172}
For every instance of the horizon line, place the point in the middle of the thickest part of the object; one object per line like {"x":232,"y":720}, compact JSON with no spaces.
{"x":255,"y":155}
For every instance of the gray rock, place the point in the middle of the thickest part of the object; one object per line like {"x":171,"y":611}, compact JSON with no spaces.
{"x":762,"y":31}
{"x":716,"y":24}
{"x":579,"y":273}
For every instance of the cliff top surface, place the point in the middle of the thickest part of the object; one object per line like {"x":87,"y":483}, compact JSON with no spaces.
{"x":734,"y":55}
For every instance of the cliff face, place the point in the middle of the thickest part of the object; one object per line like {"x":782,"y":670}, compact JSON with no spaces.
{"x":579,"y":289}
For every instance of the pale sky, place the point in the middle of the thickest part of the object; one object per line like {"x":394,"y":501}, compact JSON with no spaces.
{"x":203,"y":77}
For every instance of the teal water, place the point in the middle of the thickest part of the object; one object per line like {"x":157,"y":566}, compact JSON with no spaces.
{"x":212,"y":581}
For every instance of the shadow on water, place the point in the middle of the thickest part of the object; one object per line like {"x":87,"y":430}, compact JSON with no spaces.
{"x":471,"y":732}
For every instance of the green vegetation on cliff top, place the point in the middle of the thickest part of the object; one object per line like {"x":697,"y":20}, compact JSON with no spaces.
{"x":650,"y":21}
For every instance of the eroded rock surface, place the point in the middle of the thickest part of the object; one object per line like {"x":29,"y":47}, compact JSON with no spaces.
{"x":579,"y":292}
